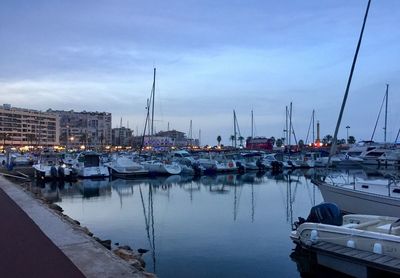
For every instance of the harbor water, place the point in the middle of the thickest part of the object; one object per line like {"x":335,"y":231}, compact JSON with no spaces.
{"x":211,"y":226}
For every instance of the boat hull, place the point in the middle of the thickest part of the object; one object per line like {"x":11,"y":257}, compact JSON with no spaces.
{"x":354,"y":201}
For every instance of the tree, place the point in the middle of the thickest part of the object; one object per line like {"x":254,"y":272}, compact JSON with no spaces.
{"x":352,"y":140}
{"x":219,"y":139}
{"x":30,"y":138}
{"x":273,"y":140}
{"x":341,"y":141}
{"x":327,"y":139}
{"x":301,"y":144}
{"x":4,"y":137}
{"x":83,"y":138}
{"x":279,"y":142}
{"x":232,"y":138}
{"x":241,"y":138}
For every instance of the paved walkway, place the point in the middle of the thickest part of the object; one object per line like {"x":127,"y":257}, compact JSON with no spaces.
{"x":25,"y":251}
{"x":36,"y":242}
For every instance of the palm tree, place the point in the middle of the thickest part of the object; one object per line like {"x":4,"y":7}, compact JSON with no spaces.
{"x":241,"y":138}
{"x":273,"y":140}
{"x":219,"y":139}
{"x":83,"y":138}
{"x":301,"y":144}
{"x":352,"y":140}
{"x":279,"y":142}
{"x":232,"y":138}
{"x":30,"y":138}
{"x":4,"y":137}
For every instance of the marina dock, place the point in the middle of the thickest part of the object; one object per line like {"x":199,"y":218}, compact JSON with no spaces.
{"x":354,"y":262}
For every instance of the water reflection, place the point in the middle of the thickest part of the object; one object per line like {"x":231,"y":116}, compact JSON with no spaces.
{"x":209,"y":226}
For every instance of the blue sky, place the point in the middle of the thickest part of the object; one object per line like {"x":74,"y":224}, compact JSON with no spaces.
{"x":211,"y":57}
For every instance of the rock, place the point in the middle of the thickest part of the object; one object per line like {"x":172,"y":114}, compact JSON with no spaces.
{"x":136,"y":264}
{"x":129,"y":255}
{"x":106,"y":243}
{"x":126,"y":247}
{"x":124,"y":254}
{"x":117,"y":243}
{"x":56,"y":207}
{"x":86,"y":231}
{"x":149,"y":275}
{"x":142,"y":251}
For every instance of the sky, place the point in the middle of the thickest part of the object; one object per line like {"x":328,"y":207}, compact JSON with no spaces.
{"x":212,"y":57}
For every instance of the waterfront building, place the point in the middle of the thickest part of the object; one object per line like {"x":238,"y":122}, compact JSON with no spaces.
{"x":89,"y":129}
{"x":259,"y":143}
{"x":28,"y":127}
{"x":171,"y":138}
{"x":122,"y":136}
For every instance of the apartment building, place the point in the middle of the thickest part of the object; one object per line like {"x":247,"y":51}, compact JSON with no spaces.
{"x":27,"y":127}
{"x":91,"y":129}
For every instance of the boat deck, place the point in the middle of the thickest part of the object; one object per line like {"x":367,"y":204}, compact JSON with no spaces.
{"x":354,"y":262}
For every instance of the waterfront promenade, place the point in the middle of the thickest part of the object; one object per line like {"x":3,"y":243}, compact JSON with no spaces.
{"x":36,"y":242}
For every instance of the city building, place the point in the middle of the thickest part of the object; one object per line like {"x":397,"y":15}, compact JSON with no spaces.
{"x":259,"y":143}
{"x":122,"y":136}
{"x":89,"y":129}
{"x":28,"y":127}
{"x":171,"y":138}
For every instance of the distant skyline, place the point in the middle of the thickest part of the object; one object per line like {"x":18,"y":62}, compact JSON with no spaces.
{"x":211,"y":57}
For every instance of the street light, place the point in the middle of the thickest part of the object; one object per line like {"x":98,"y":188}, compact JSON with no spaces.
{"x":347,"y":129}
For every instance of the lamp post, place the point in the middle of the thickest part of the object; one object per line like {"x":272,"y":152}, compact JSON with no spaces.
{"x":347,"y":129}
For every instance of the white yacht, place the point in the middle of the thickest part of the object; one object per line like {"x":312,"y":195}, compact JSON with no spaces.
{"x":124,"y":167}
{"x":48,"y":166}
{"x":89,"y":165}
{"x":157,"y":167}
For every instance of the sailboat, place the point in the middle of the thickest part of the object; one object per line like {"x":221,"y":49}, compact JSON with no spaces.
{"x":157,"y":166}
{"x":348,"y":243}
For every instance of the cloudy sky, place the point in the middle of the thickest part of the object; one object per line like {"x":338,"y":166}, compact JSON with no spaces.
{"x":211,"y":57}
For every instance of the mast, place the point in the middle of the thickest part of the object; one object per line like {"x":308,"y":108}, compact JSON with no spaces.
{"x":313,"y":124}
{"x":199,"y":137}
{"x":386,"y":110}
{"x":286,"y":126}
{"x":190,"y":134}
{"x":333,"y":147}
{"x":234,"y":128}
{"x":290,"y":124}
{"x":152,"y":103}
{"x":252,"y":124}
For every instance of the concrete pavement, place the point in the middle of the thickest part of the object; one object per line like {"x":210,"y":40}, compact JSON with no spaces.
{"x":37,"y":242}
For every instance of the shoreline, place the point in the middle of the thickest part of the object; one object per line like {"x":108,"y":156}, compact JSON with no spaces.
{"x":87,"y":252}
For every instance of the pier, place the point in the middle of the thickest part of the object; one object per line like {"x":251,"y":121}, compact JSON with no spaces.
{"x":354,"y":262}
{"x":38,"y":242}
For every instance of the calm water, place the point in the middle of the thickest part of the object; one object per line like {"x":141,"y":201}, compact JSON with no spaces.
{"x":213,"y":226}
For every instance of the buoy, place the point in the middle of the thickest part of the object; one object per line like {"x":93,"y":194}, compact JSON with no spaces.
{"x":314,"y":236}
{"x":377,"y":248}
{"x":351,"y":244}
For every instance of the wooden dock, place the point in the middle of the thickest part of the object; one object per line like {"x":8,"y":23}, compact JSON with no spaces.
{"x":354,"y":262}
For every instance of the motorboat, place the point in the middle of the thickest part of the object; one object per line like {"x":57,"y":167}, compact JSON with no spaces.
{"x":89,"y":165}
{"x":157,"y":167}
{"x":50,"y":167}
{"x":370,"y":234}
{"x":123,"y":167}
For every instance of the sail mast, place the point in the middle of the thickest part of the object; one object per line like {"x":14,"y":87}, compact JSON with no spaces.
{"x":386,"y":110}
{"x":152,"y":103}
{"x":333,"y":147}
